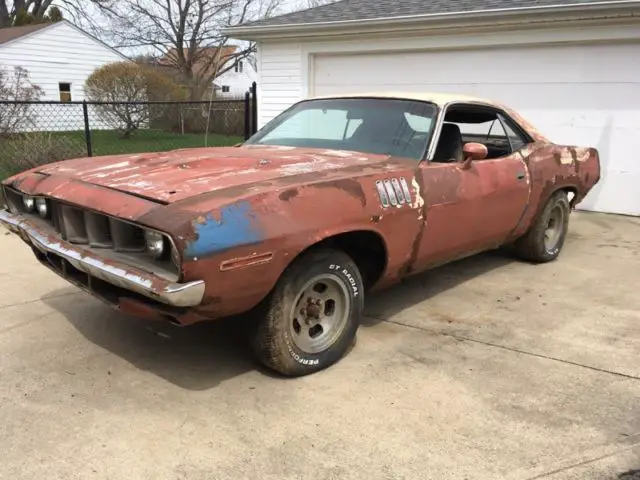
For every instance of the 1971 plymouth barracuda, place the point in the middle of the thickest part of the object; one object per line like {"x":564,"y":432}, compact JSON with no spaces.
{"x":333,"y":199}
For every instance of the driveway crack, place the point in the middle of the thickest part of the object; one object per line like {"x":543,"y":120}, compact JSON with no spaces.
{"x":515,"y":350}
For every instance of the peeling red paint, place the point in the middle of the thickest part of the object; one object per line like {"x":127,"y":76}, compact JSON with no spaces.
{"x":276,"y":202}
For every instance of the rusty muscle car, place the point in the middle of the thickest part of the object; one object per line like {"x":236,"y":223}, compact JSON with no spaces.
{"x":334,"y":198}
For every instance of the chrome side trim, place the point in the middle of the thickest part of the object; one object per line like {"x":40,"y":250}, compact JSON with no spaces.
{"x":117,"y":273}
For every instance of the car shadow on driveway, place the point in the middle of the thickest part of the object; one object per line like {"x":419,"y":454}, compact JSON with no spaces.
{"x":198,"y":357}
{"x":201,"y":356}
{"x":424,"y":286}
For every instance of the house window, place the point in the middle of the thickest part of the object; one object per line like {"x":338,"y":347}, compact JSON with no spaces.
{"x":65,"y":92}
{"x":225,"y":89}
{"x":239,"y":67}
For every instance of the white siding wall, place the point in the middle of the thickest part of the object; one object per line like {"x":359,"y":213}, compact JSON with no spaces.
{"x":280,"y":78}
{"x":238,"y":82}
{"x":60,"y":53}
{"x":604,"y":100}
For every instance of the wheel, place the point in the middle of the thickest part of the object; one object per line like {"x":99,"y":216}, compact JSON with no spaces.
{"x":545,"y":238}
{"x":310,"y":319}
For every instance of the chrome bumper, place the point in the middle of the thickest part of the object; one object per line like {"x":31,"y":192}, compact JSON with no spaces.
{"x":116,"y":273}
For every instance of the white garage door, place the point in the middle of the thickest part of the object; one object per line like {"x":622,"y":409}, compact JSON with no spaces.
{"x":576,"y":95}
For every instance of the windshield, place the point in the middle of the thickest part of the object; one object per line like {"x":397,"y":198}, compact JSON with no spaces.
{"x":380,"y":126}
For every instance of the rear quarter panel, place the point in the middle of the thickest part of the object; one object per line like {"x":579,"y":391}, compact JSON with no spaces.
{"x":555,"y":167}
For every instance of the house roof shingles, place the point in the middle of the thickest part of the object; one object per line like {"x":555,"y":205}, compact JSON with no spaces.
{"x":11,"y":33}
{"x":353,"y":10}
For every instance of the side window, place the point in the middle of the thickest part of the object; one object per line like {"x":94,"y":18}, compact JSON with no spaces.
{"x":517,"y":140}
{"x":479,"y":124}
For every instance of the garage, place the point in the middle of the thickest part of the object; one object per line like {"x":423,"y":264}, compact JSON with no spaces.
{"x":577,"y":94}
{"x":564,"y":65}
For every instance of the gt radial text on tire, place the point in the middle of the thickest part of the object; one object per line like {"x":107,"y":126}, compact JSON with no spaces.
{"x":310,"y":320}
{"x":545,"y":239}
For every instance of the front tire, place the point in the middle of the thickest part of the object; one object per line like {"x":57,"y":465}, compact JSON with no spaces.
{"x":543,"y":242}
{"x":311,"y":318}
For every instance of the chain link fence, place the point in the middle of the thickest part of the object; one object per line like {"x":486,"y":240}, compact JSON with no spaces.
{"x":35,"y":133}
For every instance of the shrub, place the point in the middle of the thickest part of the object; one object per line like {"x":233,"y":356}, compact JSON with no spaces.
{"x":15,"y":85}
{"x":29,"y":150}
{"x":121,"y":84}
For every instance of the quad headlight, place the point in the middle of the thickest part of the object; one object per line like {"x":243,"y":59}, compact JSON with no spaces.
{"x":29,"y":203}
{"x":155,"y":243}
{"x":42,"y":206}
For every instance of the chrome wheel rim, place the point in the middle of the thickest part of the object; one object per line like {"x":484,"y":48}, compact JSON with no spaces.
{"x":555,"y":227}
{"x":320,"y":313}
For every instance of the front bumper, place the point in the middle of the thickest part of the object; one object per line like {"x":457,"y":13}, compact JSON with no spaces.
{"x":116,"y":273}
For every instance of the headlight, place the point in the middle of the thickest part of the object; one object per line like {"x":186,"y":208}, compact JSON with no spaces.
{"x":155,"y":243}
{"x":29,"y":203}
{"x":43,"y":207}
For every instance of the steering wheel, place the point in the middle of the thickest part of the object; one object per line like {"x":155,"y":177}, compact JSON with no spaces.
{"x":408,"y":144}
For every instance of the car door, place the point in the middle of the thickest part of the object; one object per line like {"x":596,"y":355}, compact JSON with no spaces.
{"x":473,"y":209}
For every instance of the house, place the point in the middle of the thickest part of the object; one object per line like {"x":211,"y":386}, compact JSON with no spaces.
{"x":232,"y":77}
{"x":58,"y":56}
{"x":566,"y":65}
{"x":236,"y":81}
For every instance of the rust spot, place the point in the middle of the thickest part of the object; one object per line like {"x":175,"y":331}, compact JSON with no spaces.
{"x":243,"y":262}
{"x":352,"y":187}
{"x":376,"y":218}
{"x":288,"y":194}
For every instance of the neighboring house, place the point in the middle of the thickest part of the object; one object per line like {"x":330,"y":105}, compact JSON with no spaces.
{"x":566,"y":65}
{"x":234,"y":83}
{"x":59,"y":58}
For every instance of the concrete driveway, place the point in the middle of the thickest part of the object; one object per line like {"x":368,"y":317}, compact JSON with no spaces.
{"x":485,"y":369}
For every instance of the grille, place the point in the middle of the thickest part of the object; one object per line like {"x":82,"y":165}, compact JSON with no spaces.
{"x":98,"y":231}
{"x":83,"y":227}
{"x":118,"y":239}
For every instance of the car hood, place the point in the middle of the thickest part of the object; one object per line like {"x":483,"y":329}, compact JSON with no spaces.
{"x":169,"y":177}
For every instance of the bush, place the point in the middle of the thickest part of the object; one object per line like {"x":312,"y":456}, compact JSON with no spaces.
{"x":123,"y":83}
{"x":29,"y":150}
{"x":15,"y":85}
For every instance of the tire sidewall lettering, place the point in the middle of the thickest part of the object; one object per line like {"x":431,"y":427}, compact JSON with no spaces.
{"x":348,"y":276}
{"x":297,"y":357}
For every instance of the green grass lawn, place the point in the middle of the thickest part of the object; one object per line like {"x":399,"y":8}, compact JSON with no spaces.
{"x":106,"y":142}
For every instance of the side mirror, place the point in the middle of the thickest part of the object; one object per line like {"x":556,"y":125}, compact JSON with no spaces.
{"x":473,"y":151}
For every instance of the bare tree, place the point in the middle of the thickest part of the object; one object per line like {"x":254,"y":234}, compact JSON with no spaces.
{"x":316,"y":3}
{"x":187,"y":34}
{"x":29,"y":11}
{"x":15,"y":86}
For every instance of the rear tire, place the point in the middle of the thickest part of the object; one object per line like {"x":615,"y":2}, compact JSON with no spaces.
{"x":544,"y":240}
{"x":310,"y":320}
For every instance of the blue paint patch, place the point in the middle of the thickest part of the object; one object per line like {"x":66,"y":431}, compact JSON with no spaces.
{"x":234,"y":229}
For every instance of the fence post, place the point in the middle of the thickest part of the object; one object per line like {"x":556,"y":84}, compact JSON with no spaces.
{"x":247,"y":115}
{"x":254,"y":108}
{"x":87,"y":129}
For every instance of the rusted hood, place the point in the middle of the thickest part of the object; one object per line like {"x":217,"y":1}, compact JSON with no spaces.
{"x":173,"y":176}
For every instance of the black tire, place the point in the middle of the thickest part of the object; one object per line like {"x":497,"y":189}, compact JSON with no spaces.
{"x":275,"y":341}
{"x":532,"y":246}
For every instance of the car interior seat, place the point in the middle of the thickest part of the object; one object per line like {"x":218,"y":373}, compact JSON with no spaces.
{"x":450,"y":145}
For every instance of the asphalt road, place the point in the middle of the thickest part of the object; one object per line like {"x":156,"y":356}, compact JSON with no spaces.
{"x":488,"y":368}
